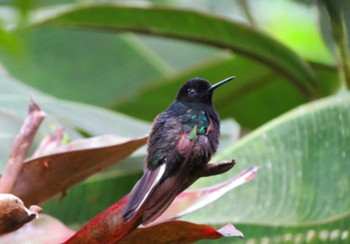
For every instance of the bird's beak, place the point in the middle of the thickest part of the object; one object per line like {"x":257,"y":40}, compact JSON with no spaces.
{"x":213,"y":87}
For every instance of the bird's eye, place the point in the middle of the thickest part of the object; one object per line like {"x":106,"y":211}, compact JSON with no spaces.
{"x":192,"y":91}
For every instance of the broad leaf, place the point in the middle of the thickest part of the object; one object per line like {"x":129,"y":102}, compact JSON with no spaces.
{"x":200,"y":27}
{"x":297,"y":28}
{"x":303,"y":184}
{"x":10,"y":124}
{"x":104,"y":63}
{"x":78,"y":117}
{"x":253,"y":98}
{"x":73,"y":116}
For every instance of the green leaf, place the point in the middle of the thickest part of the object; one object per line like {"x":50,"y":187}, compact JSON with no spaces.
{"x":10,"y":124}
{"x":98,"y":58}
{"x":11,"y":46}
{"x":104,"y":64}
{"x":199,"y":27}
{"x":253,"y":98}
{"x":302,"y":188}
{"x":91,"y":120}
{"x":297,"y":28}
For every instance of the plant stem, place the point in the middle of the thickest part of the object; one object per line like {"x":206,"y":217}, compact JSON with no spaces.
{"x":338,"y":28}
{"x":244,"y":5}
{"x":21,"y":147}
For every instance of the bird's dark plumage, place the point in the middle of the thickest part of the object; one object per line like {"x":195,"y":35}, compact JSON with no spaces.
{"x":182,"y":140}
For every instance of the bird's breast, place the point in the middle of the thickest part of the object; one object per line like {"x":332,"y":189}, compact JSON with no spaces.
{"x":195,"y":119}
{"x":197,"y":125}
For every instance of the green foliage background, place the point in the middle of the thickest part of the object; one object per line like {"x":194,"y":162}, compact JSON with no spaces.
{"x":108,"y":67}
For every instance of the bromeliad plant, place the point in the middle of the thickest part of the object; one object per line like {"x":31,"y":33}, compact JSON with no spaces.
{"x":53,"y":168}
{"x":288,"y":84}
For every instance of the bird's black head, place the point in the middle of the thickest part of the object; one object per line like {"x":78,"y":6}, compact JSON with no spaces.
{"x":198,"y":90}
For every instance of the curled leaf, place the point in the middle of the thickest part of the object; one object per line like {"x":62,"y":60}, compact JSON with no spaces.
{"x":42,"y":230}
{"x":13,"y":213}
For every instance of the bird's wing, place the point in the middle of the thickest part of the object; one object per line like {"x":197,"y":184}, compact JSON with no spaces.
{"x":142,"y":191}
{"x":164,"y":195}
{"x":162,"y":159}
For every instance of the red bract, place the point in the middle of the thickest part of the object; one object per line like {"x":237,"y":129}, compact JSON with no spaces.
{"x":192,"y":200}
{"x":73,"y":163}
{"x":178,"y":232}
{"x":109,"y":226}
{"x":106,"y":227}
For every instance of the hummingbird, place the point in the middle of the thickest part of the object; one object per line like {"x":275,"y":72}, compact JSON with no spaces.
{"x":182,"y":140}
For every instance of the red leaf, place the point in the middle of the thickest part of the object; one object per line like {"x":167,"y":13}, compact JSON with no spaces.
{"x":107,"y":227}
{"x":178,"y":232}
{"x":192,"y":200}
{"x":37,"y":179}
{"x":70,"y":164}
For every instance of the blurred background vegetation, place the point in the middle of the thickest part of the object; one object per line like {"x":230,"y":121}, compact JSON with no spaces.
{"x":109,"y":67}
